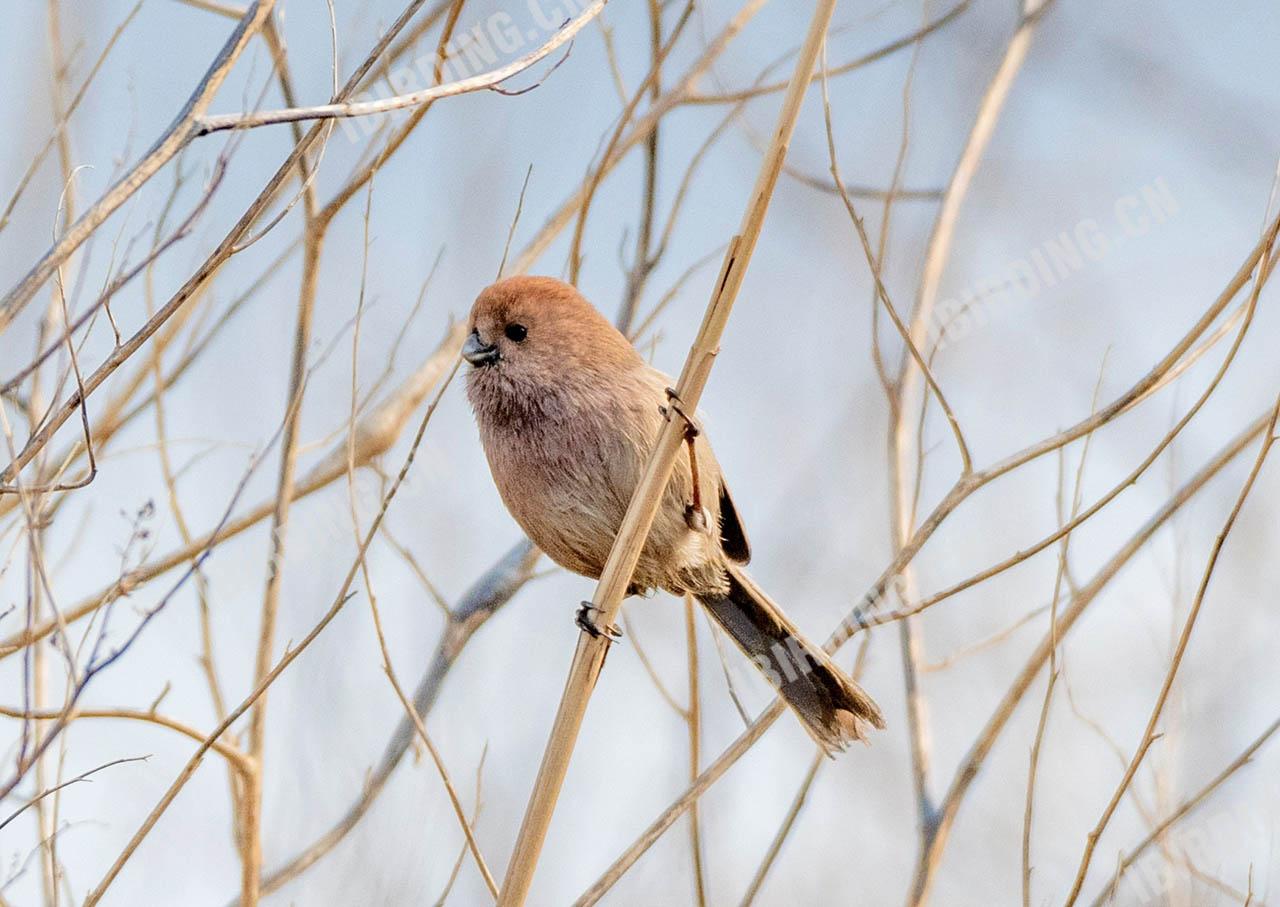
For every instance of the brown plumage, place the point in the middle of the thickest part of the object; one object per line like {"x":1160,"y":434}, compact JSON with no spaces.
{"x":568,"y":412}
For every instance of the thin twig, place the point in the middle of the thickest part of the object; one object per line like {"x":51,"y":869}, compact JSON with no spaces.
{"x":1149,"y":735}
{"x":175,"y":138}
{"x":82,"y":777}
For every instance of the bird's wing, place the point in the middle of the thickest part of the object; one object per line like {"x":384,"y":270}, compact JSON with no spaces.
{"x":733,"y":537}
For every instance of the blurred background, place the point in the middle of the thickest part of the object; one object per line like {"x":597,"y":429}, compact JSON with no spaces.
{"x":1127,"y":176}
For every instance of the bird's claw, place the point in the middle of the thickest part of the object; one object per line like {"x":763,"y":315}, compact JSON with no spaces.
{"x":674,"y":404}
{"x":696,"y":518}
{"x":586,"y":621}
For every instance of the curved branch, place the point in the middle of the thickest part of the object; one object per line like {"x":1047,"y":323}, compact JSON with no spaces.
{"x":221,"y":122}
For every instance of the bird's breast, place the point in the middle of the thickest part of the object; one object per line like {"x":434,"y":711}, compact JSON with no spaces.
{"x":567,"y":461}
{"x":566,"y":478}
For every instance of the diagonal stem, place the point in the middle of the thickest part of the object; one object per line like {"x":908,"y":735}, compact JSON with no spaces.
{"x":588,"y":659}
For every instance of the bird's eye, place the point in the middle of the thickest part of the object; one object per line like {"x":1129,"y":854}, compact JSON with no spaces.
{"x":516,"y":332}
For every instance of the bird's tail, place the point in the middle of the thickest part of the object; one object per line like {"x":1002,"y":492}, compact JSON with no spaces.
{"x":832,"y":708}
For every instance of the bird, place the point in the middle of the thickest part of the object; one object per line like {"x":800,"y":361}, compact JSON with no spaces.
{"x":568,"y":412}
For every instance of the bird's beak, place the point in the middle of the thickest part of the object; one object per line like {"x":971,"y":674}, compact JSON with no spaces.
{"x":477,"y":352}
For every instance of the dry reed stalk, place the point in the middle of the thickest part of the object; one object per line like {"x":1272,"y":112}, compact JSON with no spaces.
{"x":589,"y":656}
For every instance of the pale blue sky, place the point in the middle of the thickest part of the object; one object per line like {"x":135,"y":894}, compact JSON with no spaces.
{"x":1112,"y":98}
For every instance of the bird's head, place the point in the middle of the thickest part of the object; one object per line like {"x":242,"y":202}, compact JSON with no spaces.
{"x":541,"y":330}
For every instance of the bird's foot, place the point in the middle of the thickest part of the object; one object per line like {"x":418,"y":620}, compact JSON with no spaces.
{"x":695,"y":515}
{"x":586,"y":619}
